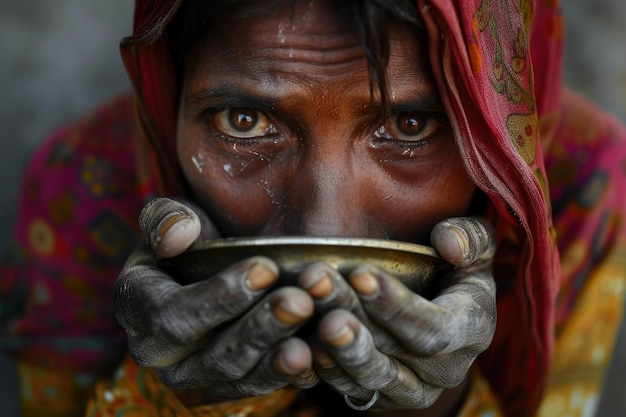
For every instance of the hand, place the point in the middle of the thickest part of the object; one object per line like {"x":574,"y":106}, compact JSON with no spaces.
{"x":381,"y":345}
{"x":227,"y":334}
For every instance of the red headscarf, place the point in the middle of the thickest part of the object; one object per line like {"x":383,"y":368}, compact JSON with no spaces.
{"x":503,"y":110}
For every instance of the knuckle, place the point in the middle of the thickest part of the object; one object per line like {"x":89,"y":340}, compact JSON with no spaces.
{"x":142,"y":355}
{"x":433,"y":346}
{"x":453,"y":378}
{"x":428,"y":398}
{"x":444,"y":372}
{"x":435,"y":340}
{"x":140,"y":359}
{"x":167,"y":326}
{"x":172,"y":378}
{"x":121,"y":296}
{"x":221,"y":369}
{"x":256,"y":389}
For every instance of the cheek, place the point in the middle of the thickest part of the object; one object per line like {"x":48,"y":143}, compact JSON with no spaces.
{"x":416,"y":203}
{"x":237,"y":204}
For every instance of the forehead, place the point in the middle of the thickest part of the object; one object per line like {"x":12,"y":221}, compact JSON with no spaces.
{"x":289,"y":30}
{"x":294,"y":40}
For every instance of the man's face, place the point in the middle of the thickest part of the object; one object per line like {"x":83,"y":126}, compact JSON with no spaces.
{"x":278,"y":134}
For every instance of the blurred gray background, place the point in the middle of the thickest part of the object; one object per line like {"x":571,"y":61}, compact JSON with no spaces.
{"x":58,"y":59}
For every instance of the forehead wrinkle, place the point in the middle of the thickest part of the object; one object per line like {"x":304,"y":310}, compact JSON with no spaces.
{"x":316,"y":55}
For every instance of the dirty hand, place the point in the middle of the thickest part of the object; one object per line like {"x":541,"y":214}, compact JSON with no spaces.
{"x":227,"y":334}
{"x":383,"y":346}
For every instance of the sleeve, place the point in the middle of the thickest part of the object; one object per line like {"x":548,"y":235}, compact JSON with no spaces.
{"x":74,"y":230}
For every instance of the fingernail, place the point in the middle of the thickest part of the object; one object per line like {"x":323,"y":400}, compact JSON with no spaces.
{"x":260,"y":276}
{"x":170,"y":221}
{"x":461,"y":240}
{"x":321,"y":287}
{"x":172,"y":227}
{"x":283,"y":366}
{"x":288,"y":312}
{"x":451,"y":241}
{"x":343,"y":337}
{"x":175,"y":234}
{"x":364,"y":283}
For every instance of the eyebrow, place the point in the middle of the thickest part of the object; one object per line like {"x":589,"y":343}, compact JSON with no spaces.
{"x":421,"y":102}
{"x":229,"y":95}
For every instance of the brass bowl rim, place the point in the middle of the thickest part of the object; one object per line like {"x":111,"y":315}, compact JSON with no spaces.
{"x":346,"y":242}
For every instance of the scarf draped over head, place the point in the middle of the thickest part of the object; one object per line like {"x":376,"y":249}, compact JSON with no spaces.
{"x":502,"y":108}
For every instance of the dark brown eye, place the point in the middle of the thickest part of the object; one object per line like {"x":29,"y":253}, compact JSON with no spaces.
{"x":410,"y":127}
{"x":242,"y":120}
{"x":410,"y":124}
{"x":243,"y":123}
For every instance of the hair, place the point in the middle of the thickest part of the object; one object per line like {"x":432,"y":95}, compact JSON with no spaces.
{"x":367,"y":19}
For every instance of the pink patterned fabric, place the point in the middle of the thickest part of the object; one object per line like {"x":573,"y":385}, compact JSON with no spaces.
{"x":76,"y":225}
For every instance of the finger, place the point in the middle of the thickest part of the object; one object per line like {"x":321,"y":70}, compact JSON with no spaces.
{"x":354,"y":366}
{"x":269,"y":375}
{"x":462,"y":316}
{"x":148,"y":300}
{"x":439,"y":339}
{"x":329,"y":371}
{"x":352,"y":347}
{"x":239,"y":348}
{"x":150,"y":351}
{"x":208,"y":230}
{"x":462,"y":240}
{"x":328,"y":288}
{"x":290,"y":364}
{"x":233,"y":352}
{"x":168,"y":226}
{"x":331,"y":291}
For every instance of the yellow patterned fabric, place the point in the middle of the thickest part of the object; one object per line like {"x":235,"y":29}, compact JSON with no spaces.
{"x":137,"y":391}
{"x":582,"y":354}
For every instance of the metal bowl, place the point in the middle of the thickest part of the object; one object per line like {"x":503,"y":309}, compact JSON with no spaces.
{"x":416,"y":265}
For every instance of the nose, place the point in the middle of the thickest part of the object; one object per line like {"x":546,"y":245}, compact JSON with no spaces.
{"x":326,"y":198}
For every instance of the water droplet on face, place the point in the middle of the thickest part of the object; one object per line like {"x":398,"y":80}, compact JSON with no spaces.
{"x":260,"y":156}
{"x":269,"y":192}
{"x":409,"y":153}
{"x":228,"y":168}
{"x":198,"y":161}
{"x":281,"y":33}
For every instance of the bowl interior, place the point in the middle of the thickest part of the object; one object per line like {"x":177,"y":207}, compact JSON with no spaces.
{"x":416,"y":265}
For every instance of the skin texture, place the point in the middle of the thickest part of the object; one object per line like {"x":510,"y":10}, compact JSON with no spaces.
{"x":278,"y":134}
{"x":316,"y":164}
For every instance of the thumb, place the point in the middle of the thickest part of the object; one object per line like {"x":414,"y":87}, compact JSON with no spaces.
{"x":169,"y":226}
{"x":463,"y":240}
